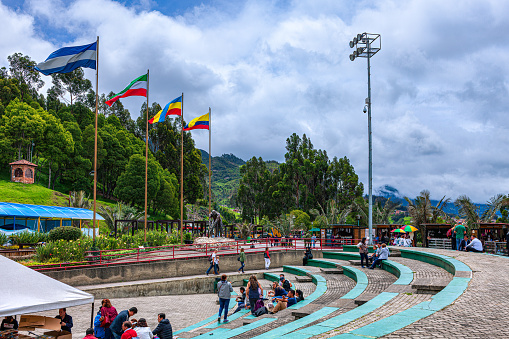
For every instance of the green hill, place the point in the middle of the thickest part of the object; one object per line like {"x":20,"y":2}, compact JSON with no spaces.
{"x":225,"y":175}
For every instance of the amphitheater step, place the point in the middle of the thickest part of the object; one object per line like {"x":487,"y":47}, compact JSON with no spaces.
{"x":300,"y":314}
{"x":354,"y":262}
{"x":426,"y":286}
{"x":364,"y":298}
{"x":332,"y":270}
{"x":303,"y":279}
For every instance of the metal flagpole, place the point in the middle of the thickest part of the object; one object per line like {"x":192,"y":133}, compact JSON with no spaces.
{"x":210,"y":162}
{"x":146,"y":165}
{"x":182,"y":172}
{"x":95,"y":137}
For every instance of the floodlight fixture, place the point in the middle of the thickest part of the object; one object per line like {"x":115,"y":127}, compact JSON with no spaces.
{"x":366,"y":45}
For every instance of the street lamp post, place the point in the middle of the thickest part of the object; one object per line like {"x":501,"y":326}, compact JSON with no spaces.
{"x":366,"y":45}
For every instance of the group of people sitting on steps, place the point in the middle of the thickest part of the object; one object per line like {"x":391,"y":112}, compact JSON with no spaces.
{"x":381,"y":252}
{"x":280,"y":297}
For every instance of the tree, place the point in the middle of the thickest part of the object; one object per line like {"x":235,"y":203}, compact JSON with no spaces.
{"x":8,"y":91}
{"x":383,"y":212}
{"x":20,"y":126}
{"x":56,"y":146}
{"x":22,"y":69}
{"x":73,"y":83}
{"x":284,"y":224}
{"x":119,"y":212}
{"x":471,"y":212}
{"x":422,"y":211}
{"x":131,"y":184}
{"x":301,"y":219}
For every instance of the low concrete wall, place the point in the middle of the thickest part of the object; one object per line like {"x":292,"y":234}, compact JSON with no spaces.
{"x":172,"y":268}
{"x":169,"y":287}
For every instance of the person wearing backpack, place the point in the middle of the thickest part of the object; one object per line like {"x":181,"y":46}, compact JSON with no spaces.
{"x":284,"y":283}
{"x":242,"y":259}
{"x":254,"y":292}
{"x":266,"y":255}
{"x":214,"y":262}
{"x":224,"y":292}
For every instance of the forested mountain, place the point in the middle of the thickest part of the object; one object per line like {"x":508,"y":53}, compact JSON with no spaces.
{"x":226,"y":175}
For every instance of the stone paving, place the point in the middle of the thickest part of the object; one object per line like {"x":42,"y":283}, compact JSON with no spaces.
{"x":482,"y":311}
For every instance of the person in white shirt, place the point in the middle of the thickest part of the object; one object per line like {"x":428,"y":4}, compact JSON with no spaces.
{"x":142,"y":329}
{"x":214,"y":263}
{"x":475,"y":245}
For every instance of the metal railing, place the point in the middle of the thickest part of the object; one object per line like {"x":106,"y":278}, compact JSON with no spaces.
{"x":441,"y":243}
{"x":191,"y":251}
{"x":495,"y":247}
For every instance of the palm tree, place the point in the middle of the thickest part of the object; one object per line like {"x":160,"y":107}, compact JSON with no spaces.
{"x":119,"y":212}
{"x":421,"y":210}
{"x":382,"y":214}
{"x":471,"y":212}
{"x":331,"y":215}
{"x":79,"y":199}
{"x":245,"y":229}
{"x":284,"y":224}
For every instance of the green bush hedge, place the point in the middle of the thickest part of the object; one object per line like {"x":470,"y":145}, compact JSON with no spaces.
{"x":29,"y":238}
{"x":64,"y":233}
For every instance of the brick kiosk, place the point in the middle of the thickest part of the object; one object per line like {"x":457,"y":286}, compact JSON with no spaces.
{"x":23,"y":171}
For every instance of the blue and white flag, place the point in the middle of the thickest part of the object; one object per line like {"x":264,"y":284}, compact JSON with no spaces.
{"x":67,"y":59}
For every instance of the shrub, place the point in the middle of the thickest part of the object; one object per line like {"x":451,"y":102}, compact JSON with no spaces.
{"x":64,"y":233}
{"x":3,"y":239}
{"x":29,"y":238}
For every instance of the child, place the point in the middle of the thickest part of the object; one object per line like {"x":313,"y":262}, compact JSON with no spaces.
{"x":241,"y":300}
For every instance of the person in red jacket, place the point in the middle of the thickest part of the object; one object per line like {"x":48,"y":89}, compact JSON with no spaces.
{"x":128,"y":331}
{"x":89,"y":334}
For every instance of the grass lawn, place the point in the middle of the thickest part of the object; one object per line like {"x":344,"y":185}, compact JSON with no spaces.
{"x":30,"y":194}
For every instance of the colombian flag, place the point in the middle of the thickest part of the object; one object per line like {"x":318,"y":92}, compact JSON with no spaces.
{"x":201,"y":122}
{"x":172,"y":108}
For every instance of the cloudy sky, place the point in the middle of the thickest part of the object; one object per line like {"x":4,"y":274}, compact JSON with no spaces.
{"x":271,"y":68}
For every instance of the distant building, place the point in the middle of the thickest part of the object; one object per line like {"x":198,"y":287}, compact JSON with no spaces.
{"x":23,"y":171}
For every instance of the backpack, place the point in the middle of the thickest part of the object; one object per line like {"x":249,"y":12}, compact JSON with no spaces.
{"x":259,"y":304}
{"x":261,"y":311}
{"x":210,"y":258}
{"x":286,"y":285}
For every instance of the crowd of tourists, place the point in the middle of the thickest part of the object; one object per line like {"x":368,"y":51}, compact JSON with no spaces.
{"x":109,"y":324}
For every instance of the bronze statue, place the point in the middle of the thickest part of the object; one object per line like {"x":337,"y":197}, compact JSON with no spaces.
{"x":216,"y":227}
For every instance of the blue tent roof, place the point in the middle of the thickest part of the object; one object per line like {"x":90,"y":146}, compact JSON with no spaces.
{"x":8,"y":209}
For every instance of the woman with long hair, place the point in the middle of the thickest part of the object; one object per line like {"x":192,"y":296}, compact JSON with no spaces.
{"x":108,"y":314}
{"x":255,"y":292}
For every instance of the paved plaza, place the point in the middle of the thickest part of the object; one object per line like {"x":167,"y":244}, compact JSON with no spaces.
{"x":480,"y":312}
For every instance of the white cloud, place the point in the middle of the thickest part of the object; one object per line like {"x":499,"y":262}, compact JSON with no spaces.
{"x":268,"y":69}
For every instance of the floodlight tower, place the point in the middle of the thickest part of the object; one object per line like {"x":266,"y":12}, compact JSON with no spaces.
{"x":366,"y":45}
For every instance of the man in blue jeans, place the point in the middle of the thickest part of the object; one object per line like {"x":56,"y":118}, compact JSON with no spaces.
{"x":224,"y":292}
{"x":214,"y":262}
{"x":460,"y":232}
{"x":384,"y":254}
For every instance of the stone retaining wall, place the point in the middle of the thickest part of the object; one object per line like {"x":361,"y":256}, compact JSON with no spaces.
{"x":172,"y":268}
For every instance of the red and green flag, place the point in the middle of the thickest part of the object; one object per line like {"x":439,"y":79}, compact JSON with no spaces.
{"x":137,"y":87}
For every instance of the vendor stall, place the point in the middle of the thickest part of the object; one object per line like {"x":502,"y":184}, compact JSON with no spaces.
{"x":25,"y":291}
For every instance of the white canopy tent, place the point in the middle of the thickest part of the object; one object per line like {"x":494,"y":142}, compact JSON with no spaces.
{"x":24,"y":290}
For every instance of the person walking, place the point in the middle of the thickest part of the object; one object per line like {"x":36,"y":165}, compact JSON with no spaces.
{"x":214,"y":262}
{"x":224,"y":292}
{"x":254,"y":291}
{"x":163,"y":329}
{"x":242,"y":259}
{"x":363,"y":251}
{"x":460,"y":232}
{"x":266,"y":255}
{"x":313,"y":240}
